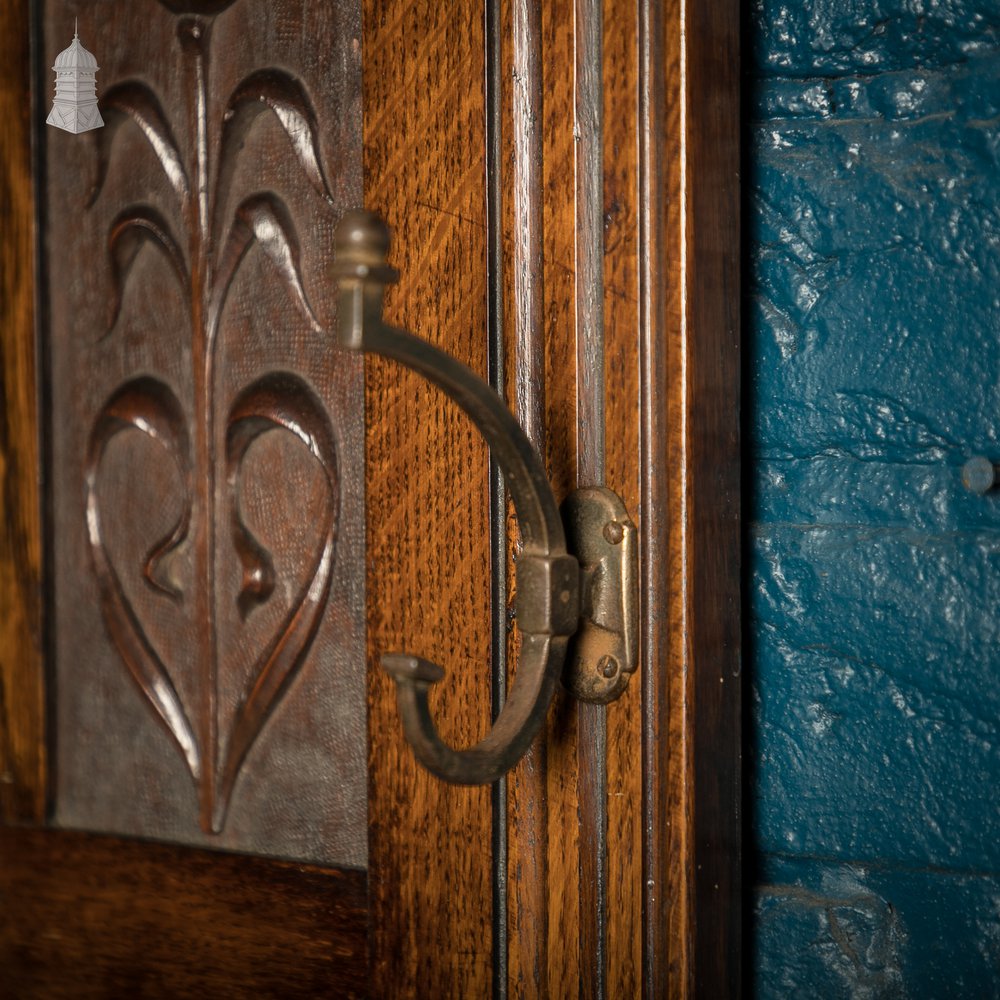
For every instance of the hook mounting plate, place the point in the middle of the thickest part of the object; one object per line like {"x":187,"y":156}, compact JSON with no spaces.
{"x":603,"y":652}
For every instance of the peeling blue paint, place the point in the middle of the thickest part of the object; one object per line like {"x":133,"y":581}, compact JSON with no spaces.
{"x":873,"y":220}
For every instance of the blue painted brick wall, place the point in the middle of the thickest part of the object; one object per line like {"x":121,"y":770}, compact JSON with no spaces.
{"x":873,"y":222}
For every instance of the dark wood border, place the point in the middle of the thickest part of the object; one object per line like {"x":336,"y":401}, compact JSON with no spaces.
{"x":22,"y":699}
{"x":690,"y":302}
{"x":712,"y":149}
{"x":84,"y":915}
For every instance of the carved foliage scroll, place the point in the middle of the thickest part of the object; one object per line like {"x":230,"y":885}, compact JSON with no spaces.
{"x":226,"y":613}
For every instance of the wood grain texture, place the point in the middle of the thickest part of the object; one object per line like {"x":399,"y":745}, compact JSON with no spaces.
{"x":564,"y":960}
{"x":87,"y":916}
{"x":528,"y":810}
{"x":689,"y":287}
{"x":712,"y":150}
{"x":591,"y":411}
{"x":202,"y":637}
{"x":22,"y":705}
{"x":666,"y":865}
{"x":671,"y":350}
{"x":427,"y":497}
{"x":622,"y":419}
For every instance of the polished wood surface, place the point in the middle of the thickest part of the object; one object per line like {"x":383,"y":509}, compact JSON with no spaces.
{"x":713,"y":456}
{"x":667,"y":923}
{"x":208,"y":649}
{"x":88,"y":916}
{"x":689,"y":287}
{"x":427,"y":497}
{"x":623,"y":427}
{"x":670,"y":303}
{"x":22,"y":709}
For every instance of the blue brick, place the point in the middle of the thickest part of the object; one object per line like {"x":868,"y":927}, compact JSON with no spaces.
{"x":868,"y":36}
{"x":873,"y":335}
{"x":853,"y":931}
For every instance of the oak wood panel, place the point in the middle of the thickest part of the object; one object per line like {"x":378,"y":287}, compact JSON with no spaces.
{"x":427,"y":496}
{"x":660,"y":452}
{"x":429,"y":842}
{"x":22,"y":712}
{"x":89,"y":916}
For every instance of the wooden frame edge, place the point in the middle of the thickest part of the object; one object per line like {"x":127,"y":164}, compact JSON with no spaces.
{"x":690,"y":294}
{"x":712,"y":448}
{"x":23,"y":763}
{"x":166,"y":919}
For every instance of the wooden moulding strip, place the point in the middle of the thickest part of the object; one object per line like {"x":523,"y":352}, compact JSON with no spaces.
{"x":22,"y":695}
{"x":588,"y":99}
{"x":690,"y":338}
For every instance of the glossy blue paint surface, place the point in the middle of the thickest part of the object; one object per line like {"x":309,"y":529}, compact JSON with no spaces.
{"x":873,"y":222}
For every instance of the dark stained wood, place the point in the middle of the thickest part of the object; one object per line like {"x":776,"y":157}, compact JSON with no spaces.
{"x":208,"y":648}
{"x":665,"y":925}
{"x":88,"y":916}
{"x":712,"y":149}
{"x":500,"y":550}
{"x":22,"y":712}
{"x":689,"y":287}
{"x":427,"y":497}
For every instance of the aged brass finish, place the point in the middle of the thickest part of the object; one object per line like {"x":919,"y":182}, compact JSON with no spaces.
{"x":549,"y":579}
{"x":604,"y":650}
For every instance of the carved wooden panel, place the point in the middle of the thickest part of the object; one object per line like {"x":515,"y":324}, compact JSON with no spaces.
{"x":206,"y":457}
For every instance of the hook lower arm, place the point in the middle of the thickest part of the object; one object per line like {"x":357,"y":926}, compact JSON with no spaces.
{"x":548,"y":601}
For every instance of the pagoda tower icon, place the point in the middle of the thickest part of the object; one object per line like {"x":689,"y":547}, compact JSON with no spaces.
{"x":75,"y":106}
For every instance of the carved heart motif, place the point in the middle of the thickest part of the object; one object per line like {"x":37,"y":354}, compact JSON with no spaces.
{"x":282,"y":401}
{"x":277,"y":401}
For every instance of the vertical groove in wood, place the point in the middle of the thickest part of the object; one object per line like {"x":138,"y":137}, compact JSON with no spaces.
{"x":588,"y":150}
{"x":593,"y":792}
{"x":427,"y":506}
{"x":528,"y":809}
{"x":662,"y":604}
{"x":529,"y":285}
{"x":22,"y":700}
{"x":588,"y":130}
{"x":498,"y":490}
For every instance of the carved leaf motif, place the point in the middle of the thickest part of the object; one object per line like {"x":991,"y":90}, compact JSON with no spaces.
{"x":277,"y":401}
{"x":281,"y":93}
{"x":264,"y":219}
{"x":130,"y":231}
{"x":132,"y":100}
{"x":148,"y":405}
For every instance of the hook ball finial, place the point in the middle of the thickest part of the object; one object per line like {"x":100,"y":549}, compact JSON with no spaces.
{"x":361,"y":237}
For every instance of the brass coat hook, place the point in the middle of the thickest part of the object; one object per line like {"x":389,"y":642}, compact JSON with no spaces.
{"x":589,"y":596}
